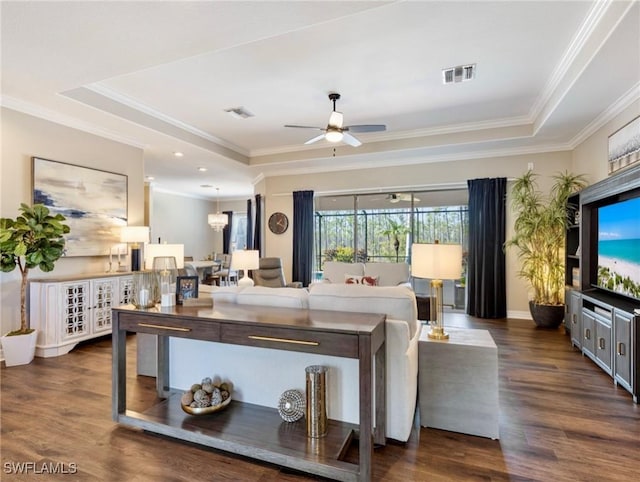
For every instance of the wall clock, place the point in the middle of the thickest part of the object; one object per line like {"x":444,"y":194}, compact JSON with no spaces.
{"x":278,"y":223}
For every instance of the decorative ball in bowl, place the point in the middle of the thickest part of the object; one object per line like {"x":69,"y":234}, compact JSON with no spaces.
{"x":206,"y":397}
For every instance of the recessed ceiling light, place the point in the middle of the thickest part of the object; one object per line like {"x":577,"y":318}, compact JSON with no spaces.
{"x":202,"y":169}
{"x":178,"y":154}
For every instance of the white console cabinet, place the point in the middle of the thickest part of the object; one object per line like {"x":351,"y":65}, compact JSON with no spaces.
{"x":66,"y":311}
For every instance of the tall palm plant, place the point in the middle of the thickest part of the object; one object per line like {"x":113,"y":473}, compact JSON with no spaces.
{"x":540,"y":228}
{"x":394,"y":231}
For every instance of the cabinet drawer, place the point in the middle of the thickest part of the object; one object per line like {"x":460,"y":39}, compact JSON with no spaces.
{"x":157,"y":325}
{"x":344,"y":345}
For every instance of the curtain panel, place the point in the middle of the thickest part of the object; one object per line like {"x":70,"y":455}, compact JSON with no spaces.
{"x":249,"y":241}
{"x":486,"y":281}
{"x":257,"y":236}
{"x":302,"y":236}
{"x":226,"y":233}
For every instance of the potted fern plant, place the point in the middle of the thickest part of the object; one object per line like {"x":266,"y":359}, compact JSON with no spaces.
{"x":33,"y":240}
{"x":539,"y":238}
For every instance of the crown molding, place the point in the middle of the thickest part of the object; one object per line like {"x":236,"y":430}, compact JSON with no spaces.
{"x":631,"y":96}
{"x":115,"y":96}
{"x":49,"y":115}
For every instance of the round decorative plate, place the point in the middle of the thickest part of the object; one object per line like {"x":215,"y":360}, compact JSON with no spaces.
{"x":291,"y":406}
{"x":205,"y":410}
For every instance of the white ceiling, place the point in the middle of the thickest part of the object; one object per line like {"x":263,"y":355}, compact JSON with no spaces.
{"x":159,"y":75}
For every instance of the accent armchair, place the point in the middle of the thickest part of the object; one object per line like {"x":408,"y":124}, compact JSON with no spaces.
{"x":271,"y":274}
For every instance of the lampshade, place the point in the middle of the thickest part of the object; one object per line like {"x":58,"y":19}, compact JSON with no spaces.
{"x":134,"y":234}
{"x":218,"y":221}
{"x":164,"y":250}
{"x":436,"y":261}
{"x":245,"y":259}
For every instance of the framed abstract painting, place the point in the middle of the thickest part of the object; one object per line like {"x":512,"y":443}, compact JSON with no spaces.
{"x":93,"y":201}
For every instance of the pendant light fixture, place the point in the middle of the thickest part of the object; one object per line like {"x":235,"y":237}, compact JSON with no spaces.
{"x":218,"y":220}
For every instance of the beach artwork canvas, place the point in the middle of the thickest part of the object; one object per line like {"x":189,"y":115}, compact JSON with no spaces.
{"x":624,"y":146}
{"x":93,"y":201}
{"x":619,"y":247}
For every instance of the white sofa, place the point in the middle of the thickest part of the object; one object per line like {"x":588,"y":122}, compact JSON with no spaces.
{"x":385,"y":274}
{"x":264,"y":374}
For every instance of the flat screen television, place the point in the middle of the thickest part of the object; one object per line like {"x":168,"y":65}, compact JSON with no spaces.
{"x":619,"y":247}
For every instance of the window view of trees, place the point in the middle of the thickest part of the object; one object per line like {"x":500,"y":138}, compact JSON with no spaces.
{"x":384,"y":234}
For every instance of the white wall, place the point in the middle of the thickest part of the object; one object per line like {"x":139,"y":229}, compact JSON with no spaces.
{"x":24,"y":136}
{"x":591,"y":156}
{"x":183,"y":220}
{"x":417,"y":176}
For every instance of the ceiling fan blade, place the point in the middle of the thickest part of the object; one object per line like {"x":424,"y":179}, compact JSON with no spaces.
{"x":315,"y":139}
{"x":349,"y":139}
{"x":336,"y":119}
{"x":305,"y":127}
{"x":367,"y":128}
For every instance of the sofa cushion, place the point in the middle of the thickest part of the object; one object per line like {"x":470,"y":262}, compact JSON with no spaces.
{"x":397,"y":302}
{"x":334,"y":271}
{"x":389,"y":274}
{"x":265,"y":296}
{"x":224,"y":294}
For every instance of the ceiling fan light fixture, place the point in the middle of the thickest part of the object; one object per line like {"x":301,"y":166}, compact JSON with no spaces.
{"x":333,"y":135}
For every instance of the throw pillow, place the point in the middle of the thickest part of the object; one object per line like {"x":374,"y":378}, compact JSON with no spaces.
{"x":351,"y":279}
{"x":370,"y":280}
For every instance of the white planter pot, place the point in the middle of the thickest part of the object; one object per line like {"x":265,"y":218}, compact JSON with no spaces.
{"x":19,"y":349}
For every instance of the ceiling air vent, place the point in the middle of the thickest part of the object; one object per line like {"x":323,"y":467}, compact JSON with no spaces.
{"x":239,"y":112}
{"x":461,"y":73}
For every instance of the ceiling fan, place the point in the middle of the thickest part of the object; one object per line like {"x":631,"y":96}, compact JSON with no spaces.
{"x":336,"y":132}
{"x":397,"y":197}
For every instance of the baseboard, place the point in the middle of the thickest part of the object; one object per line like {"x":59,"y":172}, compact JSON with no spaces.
{"x":519,"y":315}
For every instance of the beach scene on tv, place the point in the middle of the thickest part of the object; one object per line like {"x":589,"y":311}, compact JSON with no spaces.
{"x":619,"y":247}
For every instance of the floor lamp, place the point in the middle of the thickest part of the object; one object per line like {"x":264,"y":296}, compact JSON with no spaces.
{"x":245,"y":260}
{"x":436,"y":262}
{"x":135,"y":235}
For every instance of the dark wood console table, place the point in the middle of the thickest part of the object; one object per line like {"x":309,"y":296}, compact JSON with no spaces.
{"x":251,"y":430}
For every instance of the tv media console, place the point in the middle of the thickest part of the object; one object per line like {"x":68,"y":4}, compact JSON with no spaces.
{"x":252,"y":430}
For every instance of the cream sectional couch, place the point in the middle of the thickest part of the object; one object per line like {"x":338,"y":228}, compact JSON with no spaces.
{"x":261,"y":375}
{"x":387,"y":274}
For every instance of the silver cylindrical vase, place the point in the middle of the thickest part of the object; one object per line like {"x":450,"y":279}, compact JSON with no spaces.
{"x":316,"y":401}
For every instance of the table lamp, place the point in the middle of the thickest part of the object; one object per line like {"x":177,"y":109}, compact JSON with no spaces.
{"x":245,"y":260}
{"x":135,"y":235}
{"x":436,"y":262}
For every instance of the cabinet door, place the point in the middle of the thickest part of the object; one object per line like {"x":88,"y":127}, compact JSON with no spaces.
{"x":575,"y":317}
{"x":603,"y":344}
{"x":125,"y":288}
{"x":104,"y":292}
{"x":76,"y":302}
{"x":622,"y":348}
{"x":588,"y":333}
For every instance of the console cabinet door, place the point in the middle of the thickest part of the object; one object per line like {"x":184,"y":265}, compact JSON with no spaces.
{"x":603,"y":344}
{"x":575,"y":317}
{"x":588,"y":333}
{"x":125,"y":289}
{"x":622,"y":348}
{"x":104,"y":294}
{"x":76,"y":303}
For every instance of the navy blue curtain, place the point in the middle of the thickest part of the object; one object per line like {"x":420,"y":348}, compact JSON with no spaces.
{"x":257,"y":237}
{"x":486,"y":279}
{"x":249,"y":242}
{"x":302,"y":236}
{"x":226,"y":233}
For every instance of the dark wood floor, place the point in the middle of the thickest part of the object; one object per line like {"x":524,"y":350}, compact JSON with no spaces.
{"x":561,"y":419}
